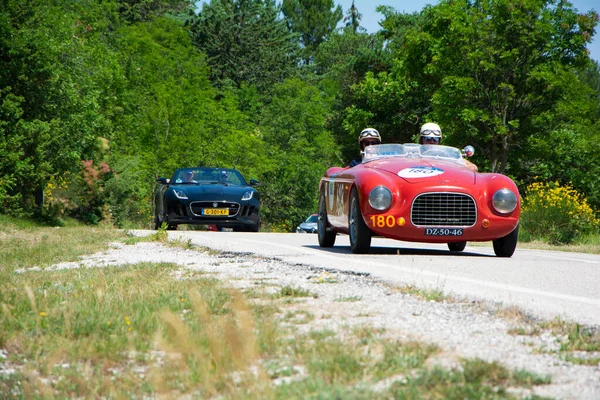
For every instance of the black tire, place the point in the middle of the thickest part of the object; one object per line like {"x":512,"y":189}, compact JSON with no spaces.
{"x":325,"y":234}
{"x":157,"y":223}
{"x":170,"y":226}
{"x":248,"y":228}
{"x":460,"y":246}
{"x":360,"y":234}
{"x":254,"y":228}
{"x":505,"y":246}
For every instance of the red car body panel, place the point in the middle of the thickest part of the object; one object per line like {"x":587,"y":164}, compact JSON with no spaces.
{"x":408,"y":178}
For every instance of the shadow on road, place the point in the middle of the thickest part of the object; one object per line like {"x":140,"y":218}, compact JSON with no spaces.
{"x":400,"y":251}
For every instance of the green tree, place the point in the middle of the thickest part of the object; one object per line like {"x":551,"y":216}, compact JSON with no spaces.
{"x":352,"y":18}
{"x":246,"y":43}
{"x":484,"y":71}
{"x":313,"y":20}
{"x":55,"y":77}
{"x":133,"y":11}
{"x":342,"y":63}
{"x":298,"y":151}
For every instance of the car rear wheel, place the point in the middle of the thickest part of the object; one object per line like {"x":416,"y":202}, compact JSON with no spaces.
{"x":157,"y":222}
{"x":325,"y":234}
{"x":459,"y":246}
{"x":505,"y":246}
{"x":360,"y":234}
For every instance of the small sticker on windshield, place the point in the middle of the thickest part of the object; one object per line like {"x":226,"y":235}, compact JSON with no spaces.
{"x":420,"y":172}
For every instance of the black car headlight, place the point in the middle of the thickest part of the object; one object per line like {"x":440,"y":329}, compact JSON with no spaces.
{"x":380,"y":198}
{"x":248,"y":195}
{"x":504,"y":201}
{"x":180,"y":194}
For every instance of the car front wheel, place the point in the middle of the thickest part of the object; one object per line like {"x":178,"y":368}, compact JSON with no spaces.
{"x":360,"y":234}
{"x":505,"y":246}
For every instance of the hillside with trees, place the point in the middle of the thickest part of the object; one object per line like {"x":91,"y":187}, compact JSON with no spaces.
{"x":97,"y":99}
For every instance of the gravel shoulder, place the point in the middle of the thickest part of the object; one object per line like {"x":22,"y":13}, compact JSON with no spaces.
{"x":341,"y":301}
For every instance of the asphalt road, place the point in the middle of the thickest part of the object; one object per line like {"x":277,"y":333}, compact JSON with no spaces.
{"x":545,"y":283}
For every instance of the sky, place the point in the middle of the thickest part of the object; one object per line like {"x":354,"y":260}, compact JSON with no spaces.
{"x":370,"y":18}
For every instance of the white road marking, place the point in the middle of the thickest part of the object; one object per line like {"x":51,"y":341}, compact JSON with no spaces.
{"x":512,"y":288}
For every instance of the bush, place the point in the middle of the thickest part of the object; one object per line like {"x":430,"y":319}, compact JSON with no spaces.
{"x":557,"y":214}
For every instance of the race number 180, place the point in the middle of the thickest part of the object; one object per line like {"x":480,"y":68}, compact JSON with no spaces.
{"x":381,"y":221}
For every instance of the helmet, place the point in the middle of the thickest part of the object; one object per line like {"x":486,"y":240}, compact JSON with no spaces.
{"x":431,"y":130}
{"x":369,"y":133}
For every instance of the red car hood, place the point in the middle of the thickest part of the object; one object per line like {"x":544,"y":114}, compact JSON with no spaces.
{"x":429,"y":171}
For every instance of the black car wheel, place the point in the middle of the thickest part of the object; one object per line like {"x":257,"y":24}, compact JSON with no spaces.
{"x":254,"y":228}
{"x":360,"y":234}
{"x":460,"y":246}
{"x":325,"y":234}
{"x":157,"y":222}
{"x":170,"y":226}
{"x":248,"y":228}
{"x":505,"y":246}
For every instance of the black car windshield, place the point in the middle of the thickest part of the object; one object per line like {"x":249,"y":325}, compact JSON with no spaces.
{"x":224,"y":176}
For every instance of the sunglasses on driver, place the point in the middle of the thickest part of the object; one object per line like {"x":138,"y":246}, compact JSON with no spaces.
{"x":431,"y":139}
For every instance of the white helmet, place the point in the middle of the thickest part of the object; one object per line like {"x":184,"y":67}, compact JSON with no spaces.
{"x":430,"y":131}
{"x":369,"y":133}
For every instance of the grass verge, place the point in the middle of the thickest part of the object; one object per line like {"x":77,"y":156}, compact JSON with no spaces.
{"x":135,"y":331}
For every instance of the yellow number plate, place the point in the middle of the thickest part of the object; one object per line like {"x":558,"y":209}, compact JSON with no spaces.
{"x":215,"y":211}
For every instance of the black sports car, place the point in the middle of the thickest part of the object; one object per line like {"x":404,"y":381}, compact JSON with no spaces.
{"x":207,"y":196}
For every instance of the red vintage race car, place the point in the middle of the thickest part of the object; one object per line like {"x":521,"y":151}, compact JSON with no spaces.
{"x":418,"y":193}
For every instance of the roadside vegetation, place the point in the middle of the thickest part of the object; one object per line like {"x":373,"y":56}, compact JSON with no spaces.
{"x":99,"y":99}
{"x":145,"y":330}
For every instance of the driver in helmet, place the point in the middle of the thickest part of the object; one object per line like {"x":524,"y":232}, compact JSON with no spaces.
{"x":367,"y":137}
{"x":432,"y":134}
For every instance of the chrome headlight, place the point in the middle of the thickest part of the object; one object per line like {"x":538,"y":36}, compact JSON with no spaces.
{"x":248,"y":195}
{"x":504,"y":201}
{"x":180,"y":194}
{"x":380,"y":198}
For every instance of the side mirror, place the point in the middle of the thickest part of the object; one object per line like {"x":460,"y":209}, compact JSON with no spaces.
{"x":468,"y":151}
{"x":163,"y":181}
{"x":254,"y":182}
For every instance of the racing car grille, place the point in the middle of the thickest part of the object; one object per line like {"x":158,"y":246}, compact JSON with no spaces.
{"x":443,"y":209}
{"x":197,"y":207}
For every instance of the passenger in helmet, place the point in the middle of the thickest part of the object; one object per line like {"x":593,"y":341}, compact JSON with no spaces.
{"x":367,"y":137}
{"x":432,"y":134}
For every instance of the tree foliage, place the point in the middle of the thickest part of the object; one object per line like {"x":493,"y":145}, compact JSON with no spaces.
{"x":99,"y":99}
{"x":484,"y":71}
{"x":54,"y":69}
{"x":312,"y":20}
{"x":245,"y":41}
